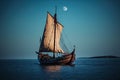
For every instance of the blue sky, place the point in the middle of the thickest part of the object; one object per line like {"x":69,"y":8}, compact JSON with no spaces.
{"x":92,"y":25}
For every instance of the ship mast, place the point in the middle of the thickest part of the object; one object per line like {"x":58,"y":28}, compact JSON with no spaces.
{"x":55,"y":22}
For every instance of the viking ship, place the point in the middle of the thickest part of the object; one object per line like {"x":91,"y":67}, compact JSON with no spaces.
{"x":50,"y":42}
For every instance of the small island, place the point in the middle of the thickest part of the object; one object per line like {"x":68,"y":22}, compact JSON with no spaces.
{"x":109,"y":56}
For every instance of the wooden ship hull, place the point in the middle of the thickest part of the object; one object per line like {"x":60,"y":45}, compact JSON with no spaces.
{"x":45,"y":59}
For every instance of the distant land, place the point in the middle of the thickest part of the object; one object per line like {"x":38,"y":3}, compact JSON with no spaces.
{"x":109,"y":56}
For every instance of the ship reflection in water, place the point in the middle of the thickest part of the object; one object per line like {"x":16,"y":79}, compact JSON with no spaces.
{"x":56,"y":72}
{"x":51,"y":68}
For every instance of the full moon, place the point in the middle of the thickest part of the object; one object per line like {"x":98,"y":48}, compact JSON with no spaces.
{"x":65,"y":8}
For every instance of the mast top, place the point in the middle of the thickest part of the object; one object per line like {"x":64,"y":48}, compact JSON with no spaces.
{"x":55,"y":16}
{"x":55,"y":9}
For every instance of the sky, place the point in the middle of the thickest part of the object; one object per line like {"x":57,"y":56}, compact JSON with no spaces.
{"x":92,"y":25}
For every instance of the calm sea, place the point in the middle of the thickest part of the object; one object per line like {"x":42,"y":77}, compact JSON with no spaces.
{"x":82,"y":69}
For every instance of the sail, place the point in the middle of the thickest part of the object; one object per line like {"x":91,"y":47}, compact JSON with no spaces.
{"x":47,"y":44}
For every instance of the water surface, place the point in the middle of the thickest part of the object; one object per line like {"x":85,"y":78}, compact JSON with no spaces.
{"x":82,"y":69}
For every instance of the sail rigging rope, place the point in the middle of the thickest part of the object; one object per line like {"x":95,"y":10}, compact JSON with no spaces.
{"x":67,"y":38}
{"x":63,"y":45}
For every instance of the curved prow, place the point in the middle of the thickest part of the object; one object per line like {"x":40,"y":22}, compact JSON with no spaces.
{"x":73,"y":49}
{"x":73,"y":56}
